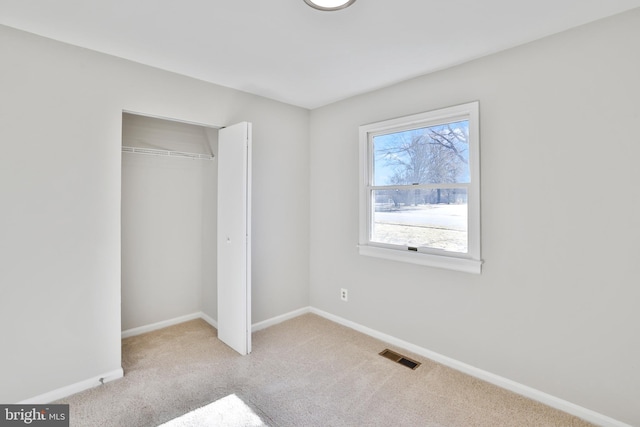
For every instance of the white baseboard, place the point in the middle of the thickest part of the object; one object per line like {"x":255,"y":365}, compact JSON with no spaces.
{"x":526,"y":391}
{"x":73,"y":388}
{"x":210,"y":320}
{"x":159,"y":325}
{"x":279,"y":319}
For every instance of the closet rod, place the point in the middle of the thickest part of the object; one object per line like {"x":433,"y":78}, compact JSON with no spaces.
{"x":156,"y":152}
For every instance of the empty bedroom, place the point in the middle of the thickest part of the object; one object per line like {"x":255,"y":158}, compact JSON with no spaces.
{"x":319,"y":213}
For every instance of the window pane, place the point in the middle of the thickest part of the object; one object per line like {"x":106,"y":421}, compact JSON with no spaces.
{"x":421,"y":218}
{"x":430,"y":155}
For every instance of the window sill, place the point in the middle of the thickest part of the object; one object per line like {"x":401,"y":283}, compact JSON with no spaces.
{"x":430,"y":260}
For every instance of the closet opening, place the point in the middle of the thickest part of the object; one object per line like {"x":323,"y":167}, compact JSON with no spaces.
{"x":168,"y":216}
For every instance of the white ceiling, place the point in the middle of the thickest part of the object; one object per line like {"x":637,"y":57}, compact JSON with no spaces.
{"x":285,"y":50}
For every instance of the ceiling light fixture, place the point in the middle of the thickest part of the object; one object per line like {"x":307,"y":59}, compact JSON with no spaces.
{"x":329,"y":5}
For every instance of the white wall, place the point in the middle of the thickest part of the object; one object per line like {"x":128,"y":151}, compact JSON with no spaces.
{"x":556,"y":306}
{"x":164,"y":222}
{"x":60,"y":173}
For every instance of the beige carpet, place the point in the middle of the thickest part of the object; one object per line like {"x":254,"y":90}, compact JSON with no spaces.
{"x":307,"y":371}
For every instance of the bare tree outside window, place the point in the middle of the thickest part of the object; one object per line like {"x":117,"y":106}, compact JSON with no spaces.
{"x":416,"y":200}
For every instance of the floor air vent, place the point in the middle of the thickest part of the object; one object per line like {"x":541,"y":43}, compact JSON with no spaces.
{"x":398,"y":358}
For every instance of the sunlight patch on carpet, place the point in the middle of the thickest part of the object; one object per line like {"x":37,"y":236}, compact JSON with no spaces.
{"x":229,"y":411}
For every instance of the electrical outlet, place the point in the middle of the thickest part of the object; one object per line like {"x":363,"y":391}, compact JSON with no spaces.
{"x":344,"y":294}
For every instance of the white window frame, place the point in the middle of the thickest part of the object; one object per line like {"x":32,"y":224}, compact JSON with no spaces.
{"x":470,"y":261}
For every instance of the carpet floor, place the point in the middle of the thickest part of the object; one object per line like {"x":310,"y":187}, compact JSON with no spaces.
{"x":307,"y":371}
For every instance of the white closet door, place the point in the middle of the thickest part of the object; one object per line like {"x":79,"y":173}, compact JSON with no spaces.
{"x":234,"y":231}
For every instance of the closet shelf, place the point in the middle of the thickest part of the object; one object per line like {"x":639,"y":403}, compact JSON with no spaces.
{"x":155,"y":152}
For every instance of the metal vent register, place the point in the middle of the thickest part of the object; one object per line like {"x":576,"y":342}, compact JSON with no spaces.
{"x":399,"y":358}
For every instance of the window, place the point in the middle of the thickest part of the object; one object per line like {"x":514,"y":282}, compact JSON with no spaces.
{"x":420,"y":189}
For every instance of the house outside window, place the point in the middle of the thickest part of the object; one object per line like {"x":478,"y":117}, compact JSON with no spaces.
{"x":420,"y":189}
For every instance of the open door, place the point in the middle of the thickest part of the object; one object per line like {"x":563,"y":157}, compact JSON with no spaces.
{"x":234,"y":237}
